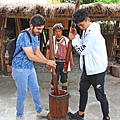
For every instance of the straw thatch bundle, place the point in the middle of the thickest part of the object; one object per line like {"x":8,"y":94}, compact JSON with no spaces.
{"x":113,"y":9}
{"x":100,"y":8}
{"x":59,"y":10}
{"x":94,"y":8}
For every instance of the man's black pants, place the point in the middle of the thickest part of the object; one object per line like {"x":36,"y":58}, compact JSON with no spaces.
{"x":97,"y":81}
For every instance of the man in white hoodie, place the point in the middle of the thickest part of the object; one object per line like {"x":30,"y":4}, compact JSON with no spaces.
{"x":93,"y":61}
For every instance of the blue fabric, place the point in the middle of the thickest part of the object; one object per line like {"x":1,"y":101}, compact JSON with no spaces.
{"x":21,"y":61}
{"x":24,"y":79}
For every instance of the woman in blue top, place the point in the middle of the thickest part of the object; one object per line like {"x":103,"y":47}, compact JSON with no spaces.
{"x":23,"y":71}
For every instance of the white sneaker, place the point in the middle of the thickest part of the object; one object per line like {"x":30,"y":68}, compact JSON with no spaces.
{"x":43,"y":113}
{"x":20,"y":118}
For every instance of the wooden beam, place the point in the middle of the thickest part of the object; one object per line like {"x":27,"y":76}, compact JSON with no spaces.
{"x":68,"y":17}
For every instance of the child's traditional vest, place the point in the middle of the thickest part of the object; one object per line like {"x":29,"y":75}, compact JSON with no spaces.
{"x":61,"y":49}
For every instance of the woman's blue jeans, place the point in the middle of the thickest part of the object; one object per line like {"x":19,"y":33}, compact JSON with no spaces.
{"x":26,"y":79}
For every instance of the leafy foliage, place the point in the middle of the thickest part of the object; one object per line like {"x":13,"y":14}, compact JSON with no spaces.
{"x":108,"y":1}
{"x":90,"y":1}
{"x":6,"y":40}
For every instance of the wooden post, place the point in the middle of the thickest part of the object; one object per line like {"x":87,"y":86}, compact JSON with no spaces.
{"x":54,"y":77}
{"x":18,"y":25}
{"x":69,"y":50}
{"x":1,"y":42}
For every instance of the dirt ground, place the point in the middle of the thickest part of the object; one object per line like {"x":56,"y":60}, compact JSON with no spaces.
{"x":93,"y":111}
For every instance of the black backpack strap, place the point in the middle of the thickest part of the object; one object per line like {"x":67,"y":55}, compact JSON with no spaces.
{"x":17,"y":53}
{"x":27,"y":34}
{"x":30,"y":41}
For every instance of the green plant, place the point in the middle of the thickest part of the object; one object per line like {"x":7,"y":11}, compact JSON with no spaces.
{"x":6,"y":40}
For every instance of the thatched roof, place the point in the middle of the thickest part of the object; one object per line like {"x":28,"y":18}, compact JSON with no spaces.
{"x":65,"y":10}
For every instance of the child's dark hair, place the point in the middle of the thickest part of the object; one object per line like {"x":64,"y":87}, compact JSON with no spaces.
{"x":58,"y":26}
{"x":37,"y":20}
{"x":80,"y":16}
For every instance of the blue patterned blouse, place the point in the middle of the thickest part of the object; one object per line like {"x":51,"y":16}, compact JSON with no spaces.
{"x":21,"y":61}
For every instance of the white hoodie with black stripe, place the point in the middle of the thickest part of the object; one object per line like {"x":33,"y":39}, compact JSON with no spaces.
{"x":92,"y":47}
